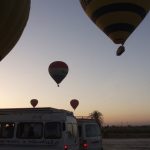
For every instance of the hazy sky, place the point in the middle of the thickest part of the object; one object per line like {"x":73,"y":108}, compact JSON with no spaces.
{"x":118,"y":87}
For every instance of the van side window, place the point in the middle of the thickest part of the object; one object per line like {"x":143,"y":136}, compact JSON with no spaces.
{"x":52,"y":130}
{"x":7,"y":129}
{"x":29,"y":130}
{"x":92,"y":130}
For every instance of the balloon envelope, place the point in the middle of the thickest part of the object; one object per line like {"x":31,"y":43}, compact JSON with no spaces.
{"x":13,"y":18}
{"x":34,"y":102}
{"x":58,"y":71}
{"x":117,"y":19}
{"x":74,"y":103}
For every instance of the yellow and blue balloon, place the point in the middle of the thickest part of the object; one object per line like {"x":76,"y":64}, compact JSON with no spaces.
{"x":116,"y":18}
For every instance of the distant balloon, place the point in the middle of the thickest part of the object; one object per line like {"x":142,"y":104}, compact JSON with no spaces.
{"x":117,"y":19}
{"x":58,"y":71}
{"x":74,"y":103}
{"x":34,"y":102}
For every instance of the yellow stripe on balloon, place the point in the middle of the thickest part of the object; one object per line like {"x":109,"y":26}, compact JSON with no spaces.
{"x":95,"y":4}
{"x":123,"y":17}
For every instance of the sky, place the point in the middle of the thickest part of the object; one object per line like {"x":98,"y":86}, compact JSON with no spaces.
{"x":59,"y":30}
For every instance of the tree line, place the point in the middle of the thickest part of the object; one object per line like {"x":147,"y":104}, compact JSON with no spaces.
{"x":127,"y":131}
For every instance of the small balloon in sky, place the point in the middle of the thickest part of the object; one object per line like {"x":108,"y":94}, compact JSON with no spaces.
{"x":117,"y":19}
{"x":74,"y":103}
{"x":58,"y":70}
{"x":34,"y":102}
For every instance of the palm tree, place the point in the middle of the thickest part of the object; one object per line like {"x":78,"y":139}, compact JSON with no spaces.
{"x":97,"y":116}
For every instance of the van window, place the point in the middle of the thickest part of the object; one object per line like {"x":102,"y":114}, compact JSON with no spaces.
{"x":7,"y":129}
{"x":29,"y":130}
{"x":52,"y":130}
{"x":92,"y":130}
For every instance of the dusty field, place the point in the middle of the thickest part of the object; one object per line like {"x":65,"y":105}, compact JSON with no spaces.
{"x":126,"y":144}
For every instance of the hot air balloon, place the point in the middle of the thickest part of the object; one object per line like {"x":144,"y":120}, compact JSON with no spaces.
{"x":116,"y":18}
{"x":58,"y":71}
{"x":34,"y":102}
{"x":13,"y":18}
{"x":74,"y":103}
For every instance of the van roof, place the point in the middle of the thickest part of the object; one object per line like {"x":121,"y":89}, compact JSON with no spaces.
{"x":85,"y":118}
{"x":37,"y":110}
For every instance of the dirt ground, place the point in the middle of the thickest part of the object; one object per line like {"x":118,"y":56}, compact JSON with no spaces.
{"x":126,"y":144}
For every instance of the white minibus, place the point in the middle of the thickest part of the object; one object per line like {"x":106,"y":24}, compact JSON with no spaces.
{"x":38,"y":129}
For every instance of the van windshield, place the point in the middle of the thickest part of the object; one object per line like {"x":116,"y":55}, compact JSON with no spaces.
{"x":92,"y":130}
{"x":52,"y":130}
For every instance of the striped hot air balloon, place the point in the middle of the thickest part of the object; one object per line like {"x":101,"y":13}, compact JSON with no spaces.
{"x":116,"y":18}
{"x":13,"y":18}
{"x":58,"y":71}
